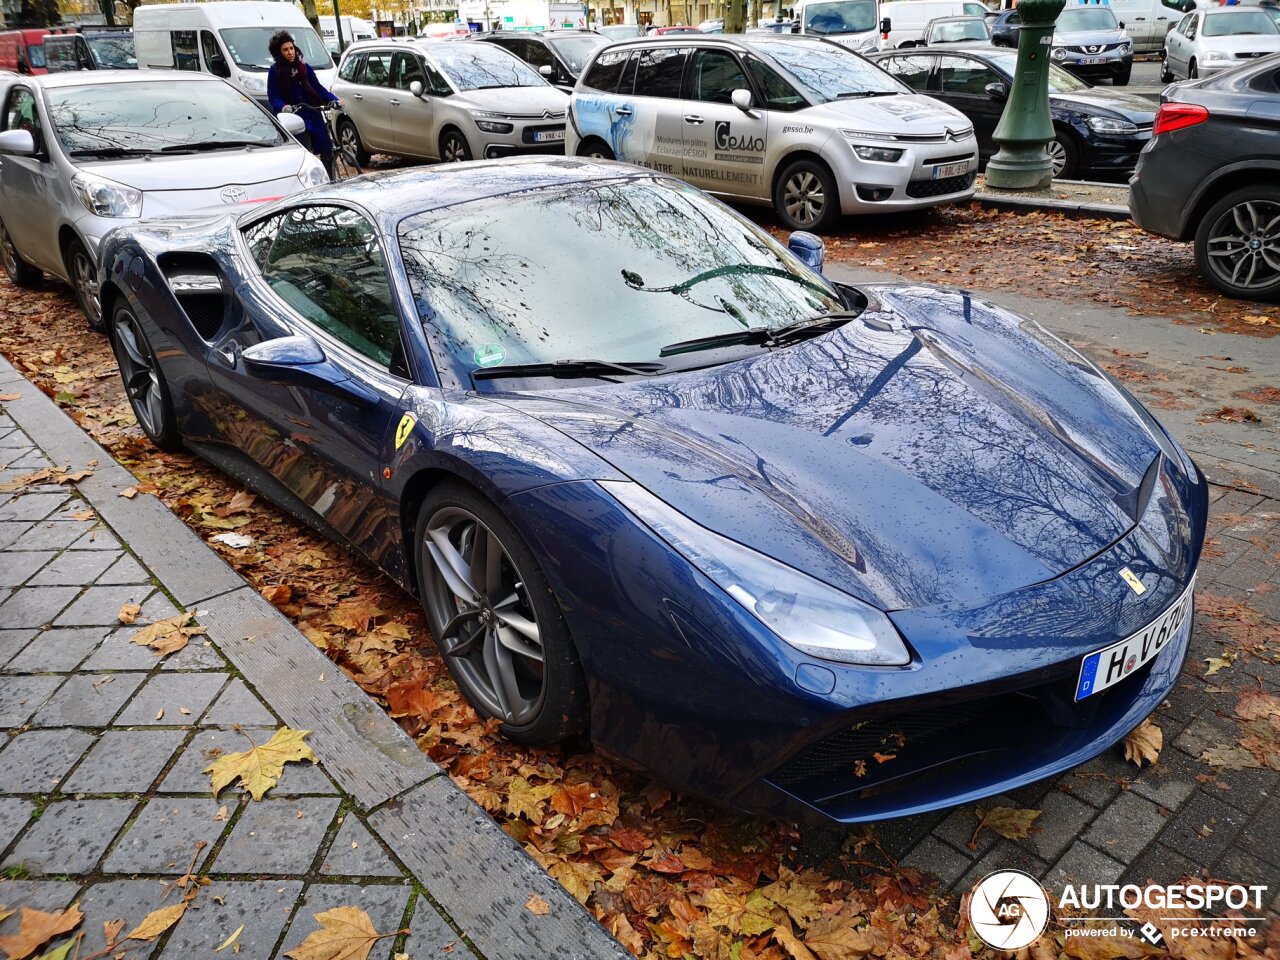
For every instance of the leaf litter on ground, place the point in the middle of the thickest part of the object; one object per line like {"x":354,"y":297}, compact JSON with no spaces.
{"x":259,"y":767}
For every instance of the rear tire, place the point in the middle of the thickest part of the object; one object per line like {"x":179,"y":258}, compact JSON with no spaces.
{"x":20,"y":272}
{"x":454,"y":147}
{"x":349,"y":139}
{"x":84,"y":280}
{"x":805,"y":196}
{"x":595,"y":149}
{"x":1237,"y":244}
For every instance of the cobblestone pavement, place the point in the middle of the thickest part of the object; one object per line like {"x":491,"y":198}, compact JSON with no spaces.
{"x":102,"y":796}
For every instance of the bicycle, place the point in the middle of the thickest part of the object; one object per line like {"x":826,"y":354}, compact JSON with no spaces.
{"x":344,"y":165}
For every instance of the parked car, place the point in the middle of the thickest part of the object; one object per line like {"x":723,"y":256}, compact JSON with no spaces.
{"x":771,"y":26}
{"x":957,"y":30}
{"x":93,"y":49}
{"x":1212,"y":176}
{"x":1004,"y":28}
{"x":412,"y":367}
{"x":1099,"y":131}
{"x":1147,"y":21}
{"x":559,"y":55}
{"x":853,"y":23}
{"x":84,"y":153}
{"x":445,"y":100}
{"x":22,"y":51}
{"x":797,"y":122}
{"x":621,"y":31}
{"x":1206,"y":42}
{"x":714,"y":25}
{"x":678,"y":28}
{"x":907,"y":19}
{"x":1089,"y":42}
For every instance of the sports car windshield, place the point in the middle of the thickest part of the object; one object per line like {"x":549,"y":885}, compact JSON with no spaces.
{"x":1086,"y":18}
{"x":480,"y":66}
{"x":827,"y":71}
{"x":608,"y":271}
{"x":248,"y":47}
{"x":156,"y":116}
{"x":1237,"y":22}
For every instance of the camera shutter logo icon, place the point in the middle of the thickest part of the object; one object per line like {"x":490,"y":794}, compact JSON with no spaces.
{"x":1009,"y":909}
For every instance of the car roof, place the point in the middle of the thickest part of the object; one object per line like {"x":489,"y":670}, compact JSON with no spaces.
{"x":78,"y":78}
{"x":739,"y":40}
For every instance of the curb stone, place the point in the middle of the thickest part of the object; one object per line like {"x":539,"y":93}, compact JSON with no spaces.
{"x":474,"y":870}
{"x":1077,"y":211}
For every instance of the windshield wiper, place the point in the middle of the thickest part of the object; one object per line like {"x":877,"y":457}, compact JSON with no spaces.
{"x":566,"y":368}
{"x":763,"y":336}
{"x":212,"y":145}
{"x":111,"y":152}
{"x":852,"y":94}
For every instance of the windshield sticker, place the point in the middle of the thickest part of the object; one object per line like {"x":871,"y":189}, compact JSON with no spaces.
{"x":909,"y":110}
{"x":489,"y":355}
{"x":407,"y":423}
{"x":739,"y":147}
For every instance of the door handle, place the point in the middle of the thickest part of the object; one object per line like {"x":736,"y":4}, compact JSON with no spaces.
{"x":394,"y":103}
{"x":622,"y":111}
{"x":357,"y":96}
{"x":691,"y":118}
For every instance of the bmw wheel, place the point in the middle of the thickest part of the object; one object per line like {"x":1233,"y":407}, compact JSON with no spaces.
{"x":20,"y":272}
{"x":349,"y":139}
{"x":84,"y":280}
{"x":453,"y":147}
{"x":495,"y":620}
{"x":1237,"y":244}
{"x":144,"y":383}
{"x":805,"y":197}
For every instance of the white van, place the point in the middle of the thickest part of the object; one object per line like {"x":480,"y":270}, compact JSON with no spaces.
{"x":353,"y":29}
{"x":227,"y":38}
{"x":908,"y":18}
{"x":851,"y":23}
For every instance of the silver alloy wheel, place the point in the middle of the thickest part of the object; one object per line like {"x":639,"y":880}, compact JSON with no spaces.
{"x":8,"y":252}
{"x":485,"y":626}
{"x":1057,"y":156}
{"x":85,"y":277}
{"x":1244,"y":244}
{"x":804,"y":198}
{"x":141,"y":379}
{"x":347,"y":138}
{"x":455,"y":149}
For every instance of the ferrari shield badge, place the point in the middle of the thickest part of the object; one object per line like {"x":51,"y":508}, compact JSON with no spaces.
{"x":1132,"y":580}
{"x":405,"y":428}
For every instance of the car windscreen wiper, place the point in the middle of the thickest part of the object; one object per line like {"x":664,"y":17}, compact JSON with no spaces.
{"x":567,"y":368}
{"x":111,"y":152}
{"x":854,"y":94}
{"x":213,"y":145}
{"x":763,"y":336}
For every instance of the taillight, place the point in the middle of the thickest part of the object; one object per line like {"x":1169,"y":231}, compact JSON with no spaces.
{"x":1176,"y":116}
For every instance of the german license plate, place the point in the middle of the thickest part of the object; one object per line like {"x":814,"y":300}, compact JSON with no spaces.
{"x":542,"y":136}
{"x":1090,"y":61}
{"x":944,"y":170}
{"x":1108,"y":666}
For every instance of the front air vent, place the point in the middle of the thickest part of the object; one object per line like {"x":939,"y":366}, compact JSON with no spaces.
{"x":197,"y":285}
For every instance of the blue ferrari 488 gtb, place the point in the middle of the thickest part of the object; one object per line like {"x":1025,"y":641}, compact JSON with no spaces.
{"x":795,"y":546}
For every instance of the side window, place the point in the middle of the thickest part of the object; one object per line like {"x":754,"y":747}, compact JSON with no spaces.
{"x":960,"y":75}
{"x":913,"y":71}
{"x":260,"y":235}
{"x":716,"y":74}
{"x":406,"y":69}
{"x":20,"y":113}
{"x":436,"y":84}
{"x":83,"y":60}
{"x":377,"y":69}
{"x":974,"y":10}
{"x":627,"y":84}
{"x":185,"y":54}
{"x":777,"y":93}
{"x":327,"y":264}
{"x":535,"y":53}
{"x":659,"y":72}
{"x":1014,"y":20}
{"x":350,"y":70}
{"x":606,"y":71}
{"x":209,"y":47}
{"x":1193,"y":26}
{"x":58,"y":55}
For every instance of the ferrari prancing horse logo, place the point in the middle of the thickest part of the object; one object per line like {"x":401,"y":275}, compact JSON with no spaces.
{"x":1132,"y":580}
{"x":405,"y":428}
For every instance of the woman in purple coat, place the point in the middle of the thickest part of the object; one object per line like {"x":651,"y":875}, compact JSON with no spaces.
{"x":291,"y":82}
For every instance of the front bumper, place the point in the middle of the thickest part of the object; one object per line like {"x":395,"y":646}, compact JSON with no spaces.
{"x":908,"y":183}
{"x":1113,"y":154}
{"x":1115,"y":63}
{"x":525,"y":139}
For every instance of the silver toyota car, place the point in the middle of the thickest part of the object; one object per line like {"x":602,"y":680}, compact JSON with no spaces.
{"x":82,"y":153}
{"x":445,"y":100}
{"x":797,"y":122}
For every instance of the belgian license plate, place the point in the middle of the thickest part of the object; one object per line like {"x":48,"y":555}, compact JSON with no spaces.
{"x":542,"y":136}
{"x":1090,"y":61}
{"x":944,"y":170}
{"x":1108,"y":666}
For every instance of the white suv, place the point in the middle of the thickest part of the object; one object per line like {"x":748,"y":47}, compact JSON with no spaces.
{"x":800,"y":123}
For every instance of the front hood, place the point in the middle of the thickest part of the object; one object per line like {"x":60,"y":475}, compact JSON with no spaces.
{"x":1131,"y":106}
{"x":518,"y":101}
{"x":938,"y":449}
{"x":1242,"y":43}
{"x":203,"y":171}
{"x":910,"y":113}
{"x":1077,"y":38}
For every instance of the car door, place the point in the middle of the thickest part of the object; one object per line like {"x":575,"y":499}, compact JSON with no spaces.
{"x":724,"y":147}
{"x":28,"y":194}
{"x":652,"y":135}
{"x":412,"y":118}
{"x":962,"y":84}
{"x":370,"y":105}
{"x":1180,"y":42}
{"x":320,"y":274}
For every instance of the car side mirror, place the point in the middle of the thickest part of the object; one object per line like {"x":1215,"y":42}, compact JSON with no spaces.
{"x":415,"y":88}
{"x":299,"y":362}
{"x":1121,"y":24}
{"x":292,"y":123}
{"x":546,"y":71}
{"x":795,"y":26}
{"x":808,"y":249}
{"x":886,"y":25}
{"x":218,"y":67}
{"x":741,"y":99}
{"x":18,"y":143}
{"x":998,"y":90}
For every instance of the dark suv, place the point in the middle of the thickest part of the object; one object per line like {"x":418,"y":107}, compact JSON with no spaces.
{"x":559,"y":55}
{"x":1211,"y":174}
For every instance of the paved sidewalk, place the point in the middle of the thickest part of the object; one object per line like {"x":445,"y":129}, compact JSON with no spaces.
{"x":103,"y":798}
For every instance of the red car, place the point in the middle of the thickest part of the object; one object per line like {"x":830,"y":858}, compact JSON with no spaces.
{"x":22,"y":51}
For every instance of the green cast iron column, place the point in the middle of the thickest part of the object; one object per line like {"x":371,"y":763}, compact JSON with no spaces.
{"x":1025,"y":126}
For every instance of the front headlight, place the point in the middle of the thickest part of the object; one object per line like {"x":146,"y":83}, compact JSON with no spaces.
{"x":491,"y":126}
{"x":1126,"y":46}
{"x":879,"y":154}
{"x":807,"y":614}
{"x":106,"y":198}
{"x":1109,"y":125}
{"x":313,"y":173}
{"x":1216,"y":55}
{"x":254,"y":84}
{"x":1058,"y":53}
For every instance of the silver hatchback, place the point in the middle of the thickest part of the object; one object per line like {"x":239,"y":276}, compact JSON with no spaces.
{"x":445,"y":100}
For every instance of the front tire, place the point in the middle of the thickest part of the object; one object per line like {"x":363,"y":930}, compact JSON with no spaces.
{"x":349,"y":139}
{"x":1237,"y":244}
{"x":84,"y":280}
{"x":454,"y":147}
{"x":144,"y":383}
{"x":1193,"y":71}
{"x":1064,"y":155}
{"x":20,"y":272}
{"x":1166,"y":75}
{"x":805,"y":196}
{"x":495,"y":620}
{"x":1121,"y":78}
